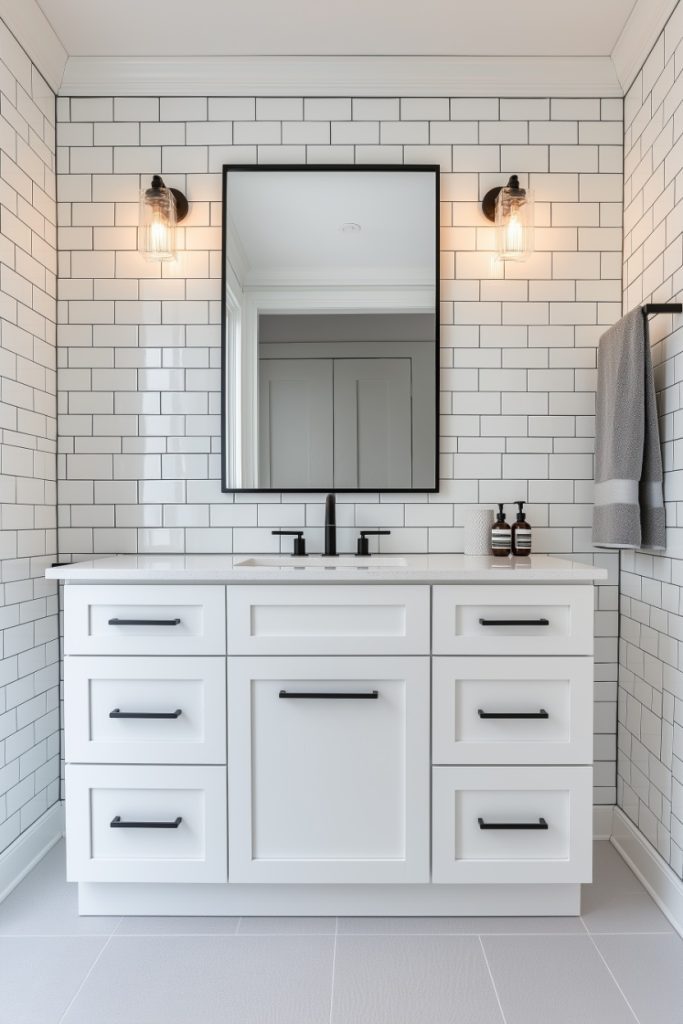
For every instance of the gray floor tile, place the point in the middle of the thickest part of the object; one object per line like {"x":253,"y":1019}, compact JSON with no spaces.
{"x":44,"y":903}
{"x":40,"y":976}
{"x":412,"y":979}
{"x":218,"y":979}
{"x":649,"y":969}
{"x":605,"y":910}
{"x":610,"y":871}
{"x":558,"y":980}
{"x":460,"y":926}
{"x":177,"y":926}
{"x":287,"y":926}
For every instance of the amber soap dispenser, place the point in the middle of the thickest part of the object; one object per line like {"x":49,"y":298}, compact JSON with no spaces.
{"x":521,"y":533}
{"x":500,"y":535}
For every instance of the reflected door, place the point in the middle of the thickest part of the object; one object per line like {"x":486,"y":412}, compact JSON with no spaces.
{"x":295,"y":420}
{"x":372,"y":423}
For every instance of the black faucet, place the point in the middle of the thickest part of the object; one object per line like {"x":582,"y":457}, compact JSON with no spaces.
{"x":330,"y":526}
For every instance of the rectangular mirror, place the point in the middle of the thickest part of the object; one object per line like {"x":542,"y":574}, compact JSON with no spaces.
{"x":330,"y":326}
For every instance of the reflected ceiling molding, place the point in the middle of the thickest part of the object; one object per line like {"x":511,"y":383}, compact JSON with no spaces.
{"x":341,"y":76}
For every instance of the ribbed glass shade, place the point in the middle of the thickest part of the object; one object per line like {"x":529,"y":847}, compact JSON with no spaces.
{"x":157,"y":222}
{"x":514,"y":221}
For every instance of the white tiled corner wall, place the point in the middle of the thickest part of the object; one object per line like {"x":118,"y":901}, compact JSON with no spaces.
{"x":29,"y":654}
{"x":138,"y":344}
{"x":650,"y":755}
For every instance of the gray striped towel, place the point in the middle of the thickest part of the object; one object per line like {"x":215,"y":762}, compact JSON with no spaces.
{"x":628,"y":501}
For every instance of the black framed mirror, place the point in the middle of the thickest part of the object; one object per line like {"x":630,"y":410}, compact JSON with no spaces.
{"x":330,"y":328}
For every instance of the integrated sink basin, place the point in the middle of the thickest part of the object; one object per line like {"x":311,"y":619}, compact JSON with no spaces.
{"x":320,"y":562}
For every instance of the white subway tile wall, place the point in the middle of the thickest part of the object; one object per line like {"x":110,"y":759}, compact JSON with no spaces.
{"x":29,"y":644}
{"x":650,"y":741}
{"x":139,"y":355}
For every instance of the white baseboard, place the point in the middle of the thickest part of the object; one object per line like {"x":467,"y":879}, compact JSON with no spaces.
{"x":602,"y":821}
{"x":30,"y":847}
{"x":665,"y":888}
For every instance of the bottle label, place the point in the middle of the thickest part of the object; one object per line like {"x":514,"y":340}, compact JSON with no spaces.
{"x":500,"y":539}
{"x":523,"y":540}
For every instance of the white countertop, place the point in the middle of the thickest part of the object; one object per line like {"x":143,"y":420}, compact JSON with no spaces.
{"x":317,"y":569}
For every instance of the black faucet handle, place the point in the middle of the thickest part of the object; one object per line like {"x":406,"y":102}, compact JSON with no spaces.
{"x":299,"y":542}
{"x":362,"y":547}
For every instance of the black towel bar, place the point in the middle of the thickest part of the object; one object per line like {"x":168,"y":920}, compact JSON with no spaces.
{"x":650,"y":308}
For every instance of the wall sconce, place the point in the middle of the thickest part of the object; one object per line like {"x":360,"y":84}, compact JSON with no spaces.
{"x":511,"y":208}
{"x":161,"y":209}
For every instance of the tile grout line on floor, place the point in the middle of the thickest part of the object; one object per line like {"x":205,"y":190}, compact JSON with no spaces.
{"x":334,"y":964}
{"x":610,"y":971}
{"x":87,"y":975}
{"x":493,"y":983}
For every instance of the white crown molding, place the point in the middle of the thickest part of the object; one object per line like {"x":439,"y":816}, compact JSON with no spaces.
{"x":638,"y":36}
{"x":35,"y":34}
{"x":340,"y":76}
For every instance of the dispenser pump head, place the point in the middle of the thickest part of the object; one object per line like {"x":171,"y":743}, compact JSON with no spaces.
{"x":521,"y":515}
{"x":500,"y":517}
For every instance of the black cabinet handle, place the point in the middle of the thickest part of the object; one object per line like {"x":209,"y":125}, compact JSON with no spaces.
{"x":513,"y":714}
{"x":118,"y":823}
{"x":541,"y":824}
{"x":118,"y":713}
{"x":144,"y":622}
{"x":514,"y":622}
{"x":331,"y":695}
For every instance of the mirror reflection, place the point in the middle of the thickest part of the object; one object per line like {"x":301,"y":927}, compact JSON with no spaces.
{"x":330,"y":329}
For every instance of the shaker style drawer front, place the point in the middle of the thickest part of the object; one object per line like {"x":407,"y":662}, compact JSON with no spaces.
{"x":128,"y":823}
{"x":329,"y":769}
{"x":509,"y":619}
{"x":328,"y":620}
{"x":145,"y":710}
{"x":512,"y":824}
{"x":512,"y":710}
{"x":138,"y":619}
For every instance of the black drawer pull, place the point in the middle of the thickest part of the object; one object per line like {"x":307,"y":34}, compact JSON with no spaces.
{"x":144,"y":622}
{"x":331,"y":695}
{"x":513,"y":714}
{"x":118,"y":713}
{"x":117,"y":823}
{"x":541,"y":824}
{"x":514,"y":622}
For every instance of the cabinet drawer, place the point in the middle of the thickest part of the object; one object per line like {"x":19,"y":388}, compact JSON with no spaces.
{"x":512,"y":710}
{"x":512,"y":824}
{"x":328,"y":620}
{"x":133,"y":823}
{"x":329,"y":769}
{"x":145,"y":710}
{"x":143,"y":619}
{"x":510,"y":619}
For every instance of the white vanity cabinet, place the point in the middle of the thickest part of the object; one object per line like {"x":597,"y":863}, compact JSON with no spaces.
{"x":411,"y":741}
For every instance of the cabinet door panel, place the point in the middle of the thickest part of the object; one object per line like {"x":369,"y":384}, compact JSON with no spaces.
{"x":512,"y":710}
{"x":512,"y":824}
{"x":145,"y":710}
{"x":143,"y":823}
{"x":329,"y":773}
{"x":510,"y":619}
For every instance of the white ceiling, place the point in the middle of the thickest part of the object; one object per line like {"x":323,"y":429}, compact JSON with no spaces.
{"x":128,"y":28}
{"x":338,"y":47}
